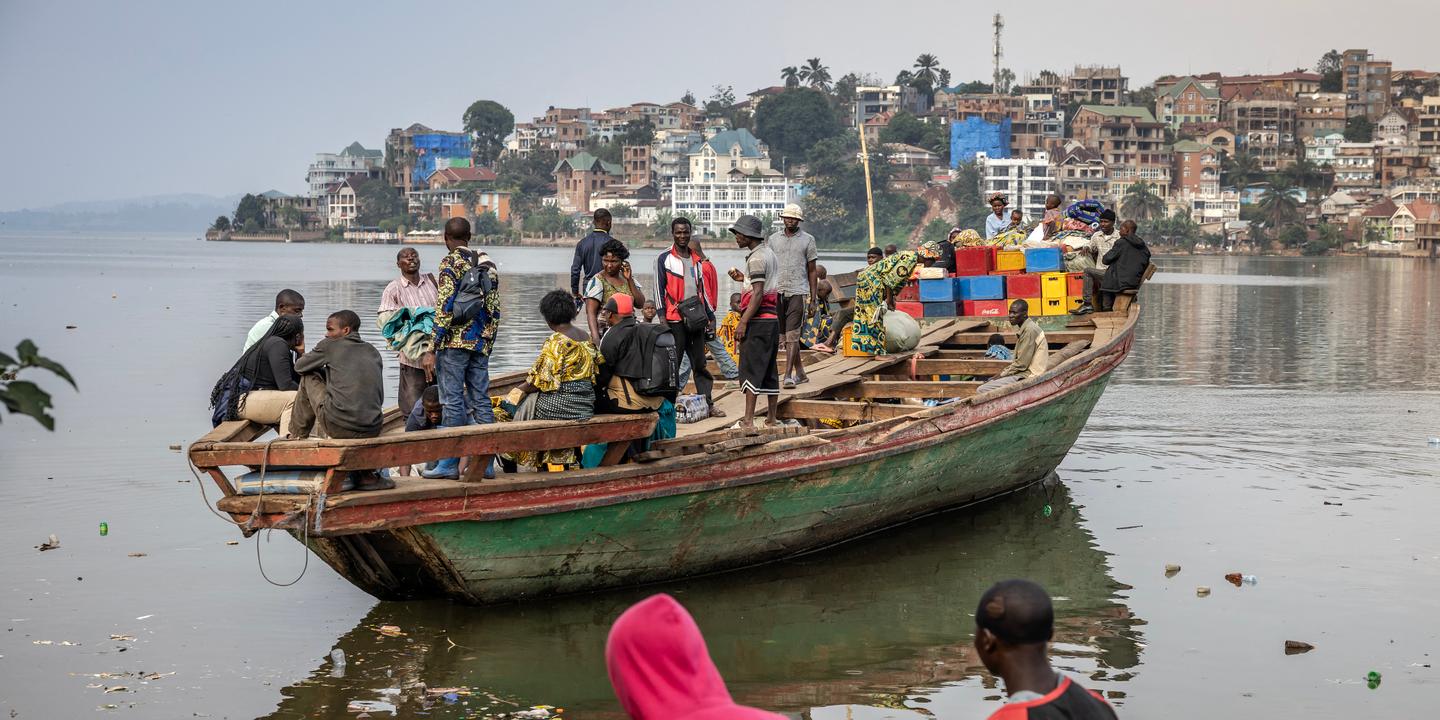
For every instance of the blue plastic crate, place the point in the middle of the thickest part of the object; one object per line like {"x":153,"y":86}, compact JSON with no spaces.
{"x":939,"y":309}
{"x":1043,"y":260}
{"x":981,"y":287}
{"x":940,"y":290}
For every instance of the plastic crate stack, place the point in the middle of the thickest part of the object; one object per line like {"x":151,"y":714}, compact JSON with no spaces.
{"x":988,"y":279}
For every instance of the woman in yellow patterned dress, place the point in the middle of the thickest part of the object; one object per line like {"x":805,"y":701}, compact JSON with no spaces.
{"x":561,"y":383}
{"x":873,"y":286}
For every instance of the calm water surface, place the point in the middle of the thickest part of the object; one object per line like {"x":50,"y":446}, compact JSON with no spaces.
{"x":1272,"y":420}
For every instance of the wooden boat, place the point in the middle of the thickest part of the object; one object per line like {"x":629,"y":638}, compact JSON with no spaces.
{"x":708,"y":500}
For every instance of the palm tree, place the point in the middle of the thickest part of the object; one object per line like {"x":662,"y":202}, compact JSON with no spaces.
{"x":1278,"y":205}
{"x":791,"y":75}
{"x":1306,"y":174}
{"x":1239,"y":169}
{"x":904,"y":77}
{"x":943,"y":78}
{"x":926,"y":69}
{"x":817,"y":75}
{"x":1141,"y":203}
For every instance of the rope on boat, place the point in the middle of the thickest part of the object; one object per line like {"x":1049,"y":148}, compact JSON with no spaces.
{"x":249,"y":523}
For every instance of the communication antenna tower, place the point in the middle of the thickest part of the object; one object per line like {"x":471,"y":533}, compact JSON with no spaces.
{"x":995,"y":81}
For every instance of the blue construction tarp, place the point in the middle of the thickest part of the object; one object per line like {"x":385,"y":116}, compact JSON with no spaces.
{"x":974,"y":135}
{"x":434,"y":151}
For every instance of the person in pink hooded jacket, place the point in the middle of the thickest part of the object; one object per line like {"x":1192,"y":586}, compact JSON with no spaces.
{"x":661,"y":670}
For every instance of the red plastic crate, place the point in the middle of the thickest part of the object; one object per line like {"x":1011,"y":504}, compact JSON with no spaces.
{"x":909,"y":291}
{"x":1007,"y":272}
{"x":985,"y":308}
{"x":1022,"y":286}
{"x":974,"y":260}
{"x":1075,"y":284}
{"x":913,"y":309}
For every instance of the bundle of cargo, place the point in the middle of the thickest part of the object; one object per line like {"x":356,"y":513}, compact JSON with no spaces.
{"x":988,"y":278}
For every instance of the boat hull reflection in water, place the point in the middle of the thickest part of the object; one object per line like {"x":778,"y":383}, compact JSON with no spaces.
{"x":882,"y":623}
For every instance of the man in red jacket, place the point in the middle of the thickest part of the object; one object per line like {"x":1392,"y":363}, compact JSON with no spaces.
{"x":685,"y":292}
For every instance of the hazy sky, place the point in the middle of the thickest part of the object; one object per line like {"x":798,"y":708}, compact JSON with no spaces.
{"x":105,"y":100}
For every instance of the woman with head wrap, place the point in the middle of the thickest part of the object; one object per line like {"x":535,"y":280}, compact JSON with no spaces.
{"x":873,"y":287}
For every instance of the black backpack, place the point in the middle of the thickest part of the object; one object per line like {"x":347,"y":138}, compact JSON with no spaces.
{"x":470,"y":291}
{"x":660,"y":365}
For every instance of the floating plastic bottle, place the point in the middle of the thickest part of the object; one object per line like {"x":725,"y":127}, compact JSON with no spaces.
{"x":104,"y":529}
{"x":1249,"y":579}
{"x":337,"y":660}
{"x":1372,"y":680}
{"x":1047,"y":511}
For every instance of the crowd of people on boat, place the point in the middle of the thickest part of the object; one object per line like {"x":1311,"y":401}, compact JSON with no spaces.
{"x":660,"y":667}
{"x":616,"y":348}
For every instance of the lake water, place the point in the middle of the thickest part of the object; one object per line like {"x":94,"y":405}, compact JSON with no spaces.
{"x":1272,"y":420}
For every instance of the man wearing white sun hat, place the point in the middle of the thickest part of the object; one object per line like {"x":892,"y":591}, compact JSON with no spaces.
{"x":795,"y":249}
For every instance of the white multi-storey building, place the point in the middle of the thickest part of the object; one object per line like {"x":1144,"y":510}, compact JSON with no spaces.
{"x":331,"y":168}
{"x":712,"y":205}
{"x":1025,"y":181}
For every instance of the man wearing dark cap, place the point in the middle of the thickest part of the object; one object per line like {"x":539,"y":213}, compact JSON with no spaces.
{"x":1100,"y":243}
{"x":1013,"y":627}
{"x":758,"y":332}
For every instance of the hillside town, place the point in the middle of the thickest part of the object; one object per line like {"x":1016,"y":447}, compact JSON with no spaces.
{"x":1344,"y":156}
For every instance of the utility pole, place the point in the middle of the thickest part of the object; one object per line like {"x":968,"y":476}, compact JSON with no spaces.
{"x":995,"y":80}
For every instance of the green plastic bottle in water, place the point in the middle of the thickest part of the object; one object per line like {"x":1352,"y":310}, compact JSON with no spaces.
{"x":104,"y":528}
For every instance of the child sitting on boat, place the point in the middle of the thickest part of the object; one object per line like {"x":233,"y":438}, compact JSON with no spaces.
{"x":997,"y":349}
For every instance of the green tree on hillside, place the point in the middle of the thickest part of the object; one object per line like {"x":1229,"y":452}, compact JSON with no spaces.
{"x":488,"y":123}
{"x":970,"y":207}
{"x":1141,"y":203}
{"x":816,"y":74}
{"x":1359,"y":129}
{"x":791,"y":76}
{"x":249,"y":214}
{"x":637,"y":132}
{"x":845,"y":92}
{"x":1278,"y":205}
{"x":688,"y":98}
{"x":221,"y":224}
{"x":1239,"y":169}
{"x":1330,"y":67}
{"x":376,"y":201}
{"x":792,"y":122}
{"x":527,"y":178}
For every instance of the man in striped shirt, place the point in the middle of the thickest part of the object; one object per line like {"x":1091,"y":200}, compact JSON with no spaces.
{"x":411,"y":290}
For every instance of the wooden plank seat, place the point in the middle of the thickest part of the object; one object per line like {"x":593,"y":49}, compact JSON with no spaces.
{"x":478,"y":442}
{"x":1124,"y":298}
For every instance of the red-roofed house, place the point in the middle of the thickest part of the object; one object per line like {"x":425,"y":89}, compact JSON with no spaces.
{"x":453,"y":176}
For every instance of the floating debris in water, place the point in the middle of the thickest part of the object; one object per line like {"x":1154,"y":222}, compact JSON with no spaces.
{"x":50,"y":544}
{"x":389,"y":630}
{"x":1295,"y":647}
{"x":232,"y":542}
{"x":1202,"y":591}
{"x":1171,"y":570}
{"x":122,"y":638}
{"x":137,"y":554}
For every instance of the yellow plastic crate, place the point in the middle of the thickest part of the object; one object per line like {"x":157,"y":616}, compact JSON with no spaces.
{"x":1053,"y":306}
{"x":1052,"y":285}
{"x":1009,"y":260}
{"x":1036,"y":305}
{"x":1073,"y":302}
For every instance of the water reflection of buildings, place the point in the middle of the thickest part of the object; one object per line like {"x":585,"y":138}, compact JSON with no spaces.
{"x":1325,"y":323}
{"x":878,"y":622}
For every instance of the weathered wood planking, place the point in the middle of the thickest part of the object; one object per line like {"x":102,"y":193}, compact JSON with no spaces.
{"x":899,"y":389}
{"x":426,"y":445}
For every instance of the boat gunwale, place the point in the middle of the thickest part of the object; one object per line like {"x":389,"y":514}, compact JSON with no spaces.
{"x":604,"y":486}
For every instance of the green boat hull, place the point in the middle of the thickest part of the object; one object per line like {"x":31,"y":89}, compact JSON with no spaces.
{"x":716,"y":528}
